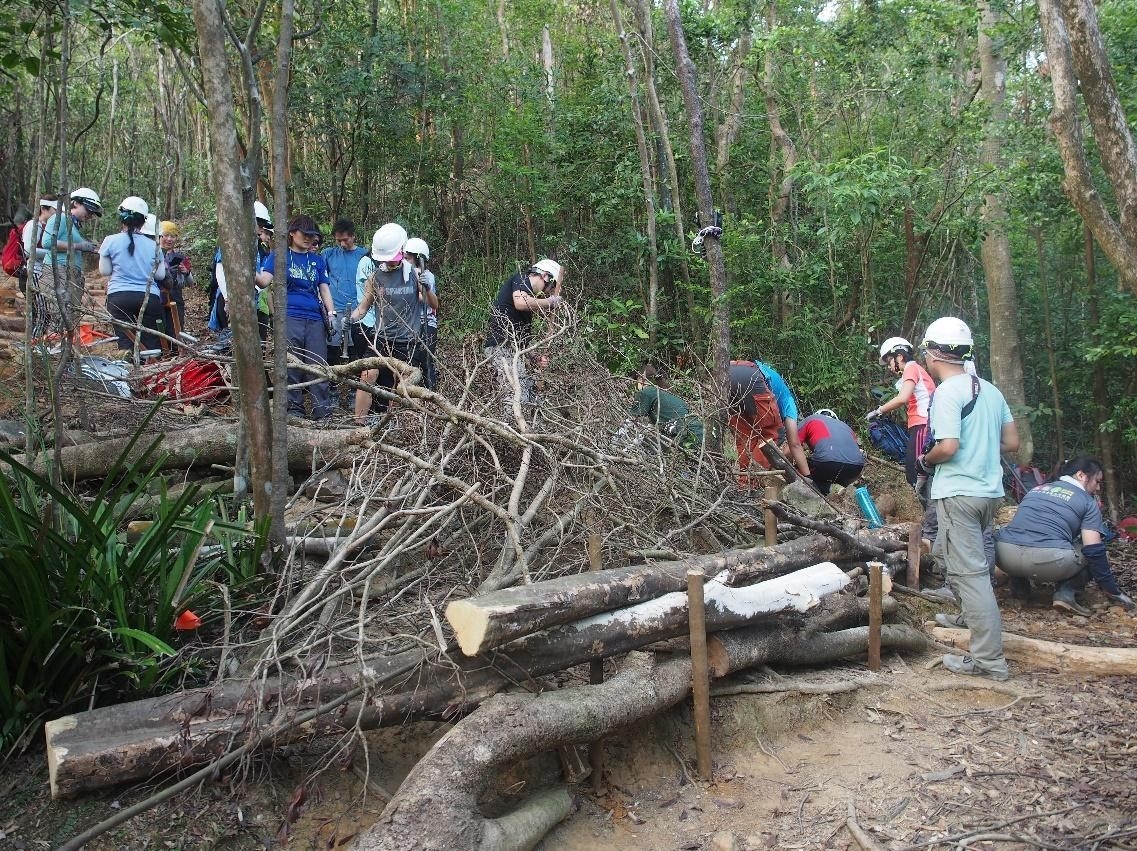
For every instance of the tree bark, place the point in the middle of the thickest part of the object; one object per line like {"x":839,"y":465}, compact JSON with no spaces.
{"x":1113,"y":495}
{"x":490,"y":620}
{"x":234,"y":208}
{"x":781,"y":183}
{"x":1002,"y":301}
{"x":720,"y":331}
{"x":178,"y":450}
{"x":1048,"y":325}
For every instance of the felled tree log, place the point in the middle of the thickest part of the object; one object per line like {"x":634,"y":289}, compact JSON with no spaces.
{"x":89,"y":750}
{"x":215,"y":443}
{"x":749,"y":647}
{"x":436,"y":805}
{"x":490,"y":620}
{"x":1069,"y":658}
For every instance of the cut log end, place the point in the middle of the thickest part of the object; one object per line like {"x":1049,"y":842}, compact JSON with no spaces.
{"x":55,"y":752}
{"x":469,"y":623}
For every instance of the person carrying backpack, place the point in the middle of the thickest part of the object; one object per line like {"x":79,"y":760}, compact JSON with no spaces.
{"x":33,"y":234}
{"x":309,"y":312}
{"x":914,"y":388}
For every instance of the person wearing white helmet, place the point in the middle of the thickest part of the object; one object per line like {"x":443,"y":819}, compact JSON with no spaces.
{"x":219,"y":284}
{"x":134,"y":265}
{"x":418,"y":252}
{"x":835,"y":454}
{"x":914,"y":388}
{"x":397,"y":293}
{"x":33,"y":234}
{"x":511,"y":322}
{"x":65,"y":244}
{"x":972,"y":426}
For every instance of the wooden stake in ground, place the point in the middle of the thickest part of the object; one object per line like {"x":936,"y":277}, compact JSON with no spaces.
{"x":700,"y":677}
{"x":876,"y":584}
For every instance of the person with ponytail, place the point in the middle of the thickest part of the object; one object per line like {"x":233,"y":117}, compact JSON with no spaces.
{"x":1056,"y":536}
{"x":133,"y":265}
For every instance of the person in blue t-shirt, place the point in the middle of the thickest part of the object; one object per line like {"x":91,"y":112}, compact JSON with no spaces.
{"x":787,"y":404}
{"x":219,"y":286}
{"x":1041,"y":543}
{"x":133,"y":263}
{"x":343,"y":262}
{"x":310,"y":313}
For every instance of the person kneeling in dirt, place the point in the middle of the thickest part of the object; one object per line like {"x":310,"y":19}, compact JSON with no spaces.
{"x":1041,"y":543}
{"x":667,"y":411}
{"x":511,"y":325}
{"x":754,"y":418}
{"x":835,"y":455}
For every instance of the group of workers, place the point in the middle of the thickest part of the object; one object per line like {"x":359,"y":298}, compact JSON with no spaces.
{"x":146,"y":274}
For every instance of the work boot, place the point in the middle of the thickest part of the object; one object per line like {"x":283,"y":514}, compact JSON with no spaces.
{"x":966,"y":666}
{"x":1064,"y":600}
{"x":943,"y":593}
{"x":951,"y":621}
{"x":1020,"y":588}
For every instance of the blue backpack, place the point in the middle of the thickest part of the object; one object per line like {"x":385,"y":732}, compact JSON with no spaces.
{"x":889,"y":437}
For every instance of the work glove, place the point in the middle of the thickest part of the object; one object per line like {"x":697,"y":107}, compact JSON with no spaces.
{"x":330,"y":324}
{"x":1124,"y":600}
{"x":873,"y":414}
{"x":88,"y":247}
{"x":923,"y":468}
{"x":555,"y":300}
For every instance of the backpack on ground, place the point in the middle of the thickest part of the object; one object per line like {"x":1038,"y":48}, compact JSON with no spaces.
{"x":14,"y":257}
{"x":889,"y":437}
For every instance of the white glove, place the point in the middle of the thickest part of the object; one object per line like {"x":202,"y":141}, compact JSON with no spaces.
{"x":873,"y":414}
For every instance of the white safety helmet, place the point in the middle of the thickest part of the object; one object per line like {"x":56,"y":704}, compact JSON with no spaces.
{"x":150,"y":226}
{"x":893,"y":345}
{"x":261,"y":214}
{"x":134,"y":204}
{"x":825,"y":412}
{"x":550,"y":266}
{"x":948,"y":333}
{"x":417,"y":246}
{"x":89,"y":198}
{"x":388,"y":242}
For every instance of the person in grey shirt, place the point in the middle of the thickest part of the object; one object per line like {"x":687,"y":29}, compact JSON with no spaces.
{"x":1041,"y":543}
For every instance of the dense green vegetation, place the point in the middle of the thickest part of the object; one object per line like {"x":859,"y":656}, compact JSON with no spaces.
{"x":443,"y":115}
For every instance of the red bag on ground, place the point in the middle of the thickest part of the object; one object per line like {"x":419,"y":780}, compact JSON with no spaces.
{"x":187,"y":381}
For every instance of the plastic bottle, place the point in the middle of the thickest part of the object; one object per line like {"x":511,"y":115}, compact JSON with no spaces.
{"x":868,"y":508}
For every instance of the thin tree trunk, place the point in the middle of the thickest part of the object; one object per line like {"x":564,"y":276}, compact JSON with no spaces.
{"x":727,"y":132}
{"x":234,"y":203}
{"x":1056,"y":395}
{"x":646,"y":177}
{"x":1101,"y":392}
{"x":1002,"y":300}
{"x":781,"y":183}
{"x":720,"y":331}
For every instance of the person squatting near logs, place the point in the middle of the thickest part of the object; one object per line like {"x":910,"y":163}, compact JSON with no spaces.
{"x":511,"y":322}
{"x":753,"y":416}
{"x":61,"y":287}
{"x":914,"y":388}
{"x":309,"y":314}
{"x":1056,"y":536}
{"x":835,"y":453}
{"x":666,"y":411}
{"x":972,"y":426}
{"x":134,"y":266}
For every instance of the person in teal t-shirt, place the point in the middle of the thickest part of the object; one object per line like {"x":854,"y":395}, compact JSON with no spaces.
{"x":61,"y":287}
{"x":667,"y":411}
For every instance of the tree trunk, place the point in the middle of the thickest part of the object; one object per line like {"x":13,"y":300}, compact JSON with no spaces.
{"x":179,"y":450}
{"x":781,"y":183}
{"x":1102,"y":406}
{"x":727,"y":132}
{"x":645,"y":177}
{"x":720,"y":330}
{"x":1074,"y":44}
{"x":1002,"y":301}
{"x":234,"y":206}
{"x":490,"y":620}
{"x":1056,"y":395}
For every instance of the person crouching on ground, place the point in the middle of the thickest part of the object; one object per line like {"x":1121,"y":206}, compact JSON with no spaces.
{"x":309,"y":312}
{"x":666,"y":411}
{"x":835,"y":455}
{"x":134,"y":266}
{"x":973,"y":427}
{"x":753,"y":416}
{"x":1041,"y":543}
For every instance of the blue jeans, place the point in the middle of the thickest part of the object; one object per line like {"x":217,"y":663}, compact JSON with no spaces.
{"x":308,"y":340}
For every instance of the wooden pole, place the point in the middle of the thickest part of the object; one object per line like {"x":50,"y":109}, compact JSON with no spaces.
{"x":912,"y":579}
{"x":772,"y":493}
{"x":595,"y":677}
{"x":876,"y":582}
{"x":700,"y":674}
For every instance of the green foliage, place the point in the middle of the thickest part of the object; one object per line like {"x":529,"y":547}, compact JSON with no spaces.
{"x":84,"y":612}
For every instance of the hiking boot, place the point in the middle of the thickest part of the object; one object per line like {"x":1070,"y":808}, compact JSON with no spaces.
{"x":966,"y":666}
{"x":1065,"y":601}
{"x":951,"y":621}
{"x":943,"y":593}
